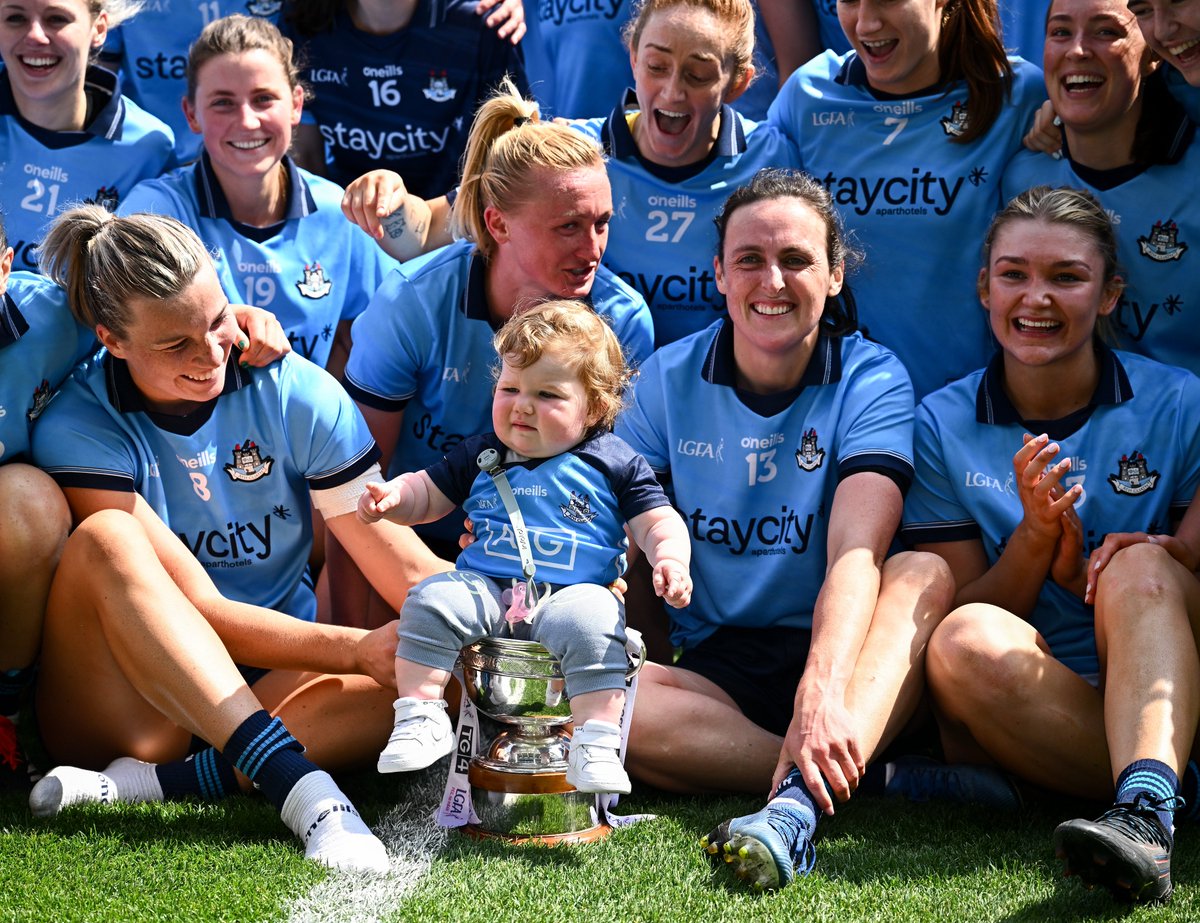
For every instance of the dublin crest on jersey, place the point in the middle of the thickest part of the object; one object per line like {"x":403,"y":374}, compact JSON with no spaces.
{"x":439,"y":90}
{"x":41,"y":397}
{"x":263,"y":8}
{"x":579,"y":509}
{"x":1162,"y":243}
{"x":107,"y":197}
{"x":248,"y":463}
{"x":314,"y":284}
{"x":1133,"y":476}
{"x":809,"y":456}
{"x":955,"y":123}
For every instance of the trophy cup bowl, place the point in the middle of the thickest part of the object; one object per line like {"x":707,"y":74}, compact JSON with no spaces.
{"x":518,"y":783}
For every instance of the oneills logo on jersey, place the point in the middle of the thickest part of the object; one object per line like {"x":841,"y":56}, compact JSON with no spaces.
{"x":263,"y":7}
{"x":1162,"y":244}
{"x":809,"y":457}
{"x":439,"y":89}
{"x":1133,"y":476}
{"x":248,"y":463}
{"x":955,"y":123}
{"x":41,"y":397}
{"x":579,"y":509}
{"x":107,"y":197}
{"x":314,"y":284}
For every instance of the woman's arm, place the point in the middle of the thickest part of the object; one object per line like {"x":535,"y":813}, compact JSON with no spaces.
{"x":253,"y":635}
{"x":404,"y":225}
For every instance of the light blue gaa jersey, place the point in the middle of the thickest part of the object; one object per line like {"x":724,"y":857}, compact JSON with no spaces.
{"x":661,"y":240}
{"x":40,"y":342}
{"x":424,"y":347}
{"x":1185,"y":94}
{"x":575,"y":506}
{"x":1158,"y":245}
{"x":311,"y":271}
{"x":1136,"y":455}
{"x":917,"y":204}
{"x":754,"y":476}
{"x":152,"y":50}
{"x":231,"y":480}
{"x":578,"y":63}
{"x":403,"y":101}
{"x":45,"y":172}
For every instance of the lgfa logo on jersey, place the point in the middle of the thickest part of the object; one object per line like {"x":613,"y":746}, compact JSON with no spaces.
{"x":107,"y":197}
{"x":41,"y":397}
{"x":833,"y":117}
{"x":1162,"y":244}
{"x":314,"y":284}
{"x":248,"y":463}
{"x":263,"y":7}
{"x":809,"y":456}
{"x":439,"y":88}
{"x":696,"y":449}
{"x":956,"y":122}
{"x":1133,"y":476}
{"x":578,"y":509}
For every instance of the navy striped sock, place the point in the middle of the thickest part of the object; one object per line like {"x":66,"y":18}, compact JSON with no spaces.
{"x":1154,"y":779}
{"x":262,"y":749}
{"x":206,"y":775}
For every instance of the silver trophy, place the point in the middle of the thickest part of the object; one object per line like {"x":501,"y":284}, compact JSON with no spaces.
{"x":518,"y":783}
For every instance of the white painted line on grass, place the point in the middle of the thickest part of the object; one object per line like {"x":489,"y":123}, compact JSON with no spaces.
{"x":412,"y":839}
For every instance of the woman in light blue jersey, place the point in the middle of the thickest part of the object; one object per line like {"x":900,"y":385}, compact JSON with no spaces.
{"x":1071,"y":667}
{"x":1129,"y":143}
{"x":67,"y":134}
{"x":785,"y":440}
{"x":191,"y":480}
{"x":910,"y":133}
{"x":276,"y":229}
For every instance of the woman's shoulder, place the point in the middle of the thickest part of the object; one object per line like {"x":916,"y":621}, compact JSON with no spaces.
{"x":172,"y":193}
{"x":949,"y":402}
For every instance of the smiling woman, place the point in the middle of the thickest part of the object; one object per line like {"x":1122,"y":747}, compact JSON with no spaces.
{"x":66,"y":132}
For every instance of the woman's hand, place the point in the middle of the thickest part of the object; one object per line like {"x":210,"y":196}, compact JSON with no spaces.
{"x":1039,"y":486}
{"x":1068,"y":568}
{"x":371,"y":198}
{"x":507,"y":18}
{"x":263,"y":339}
{"x":1045,"y":135}
{"x":822,"y":742}
{"x":376,"y":654}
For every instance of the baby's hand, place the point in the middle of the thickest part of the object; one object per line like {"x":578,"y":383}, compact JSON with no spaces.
{"x":377,"y":500}
{"x":673,"y":583}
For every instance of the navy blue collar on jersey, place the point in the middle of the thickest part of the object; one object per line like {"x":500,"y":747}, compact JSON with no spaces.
{"x":475,"y":301}
{"x":993,"y":407}
{"x":125,"y":397}
{"x":103,"y":90}
{"x":853,"y":73}
{"x":619,"y":142}
{"x":211,"y":201}
{"x":13,"y":325}
{"x":720,"y":368}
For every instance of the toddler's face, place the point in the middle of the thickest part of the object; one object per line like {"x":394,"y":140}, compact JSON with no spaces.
{"x":540,"y":410}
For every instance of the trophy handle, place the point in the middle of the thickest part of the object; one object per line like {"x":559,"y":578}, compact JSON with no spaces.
{"x":635,"y":666}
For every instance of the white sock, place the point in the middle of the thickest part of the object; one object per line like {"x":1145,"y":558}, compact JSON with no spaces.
{"x":329,"y":827}
{"x":125,"y":779}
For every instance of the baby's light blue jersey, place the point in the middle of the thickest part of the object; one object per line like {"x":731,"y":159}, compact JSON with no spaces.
{"x":1137,"y":457}
{"x":1158,"y":244}
{"x":40,"y":342}
{"x":754,"y":476}
{"x":231,"y":480}
{"x":661,"y":239}
{"x":152,"y":49}
{"x":575,"y":506}
{"x":403,"y":101}
{"x":45,"y":172}
{"x":312,"y":270}
{"x":916,"y":203}
{"x":424,"y":347}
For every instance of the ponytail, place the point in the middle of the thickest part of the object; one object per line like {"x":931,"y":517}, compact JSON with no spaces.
{"x":970,"y":48}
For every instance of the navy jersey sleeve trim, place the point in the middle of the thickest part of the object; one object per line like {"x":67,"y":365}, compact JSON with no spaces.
{"x":373,"y":400}
{"x":902,"y":479}
{"x":348,"y":472}
{"x":93,"y":480}
{"x":932,"y":533}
